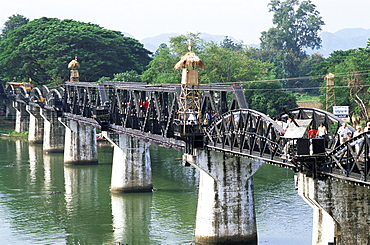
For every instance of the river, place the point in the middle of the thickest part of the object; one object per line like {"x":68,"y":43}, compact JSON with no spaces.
{"x":44,"y":202}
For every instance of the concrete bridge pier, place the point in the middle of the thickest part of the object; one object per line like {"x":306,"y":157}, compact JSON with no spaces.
{"x":10,"y":111}
{"x":324,"y":226}
{"x":80,"y":146}
{"x":54,"y":132}
{"x":21,"y":117}
{"x":131,"y":170}
{"x":36,"y":127}
{"x":341,"y":210}
{"x":225,"y":211}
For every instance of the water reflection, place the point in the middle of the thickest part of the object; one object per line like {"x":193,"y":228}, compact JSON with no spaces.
{"x":85,"y":212}
{"x":131,"y":217}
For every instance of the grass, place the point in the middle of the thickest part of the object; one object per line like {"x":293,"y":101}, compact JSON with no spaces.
{"x":7,"y":129}
{"x":306,"y":98}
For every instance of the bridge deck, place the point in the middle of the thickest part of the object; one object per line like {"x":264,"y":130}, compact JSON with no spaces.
{"x":246,"y":153}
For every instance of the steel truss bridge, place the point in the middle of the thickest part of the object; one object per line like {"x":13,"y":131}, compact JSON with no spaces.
{"x":149,"y":112}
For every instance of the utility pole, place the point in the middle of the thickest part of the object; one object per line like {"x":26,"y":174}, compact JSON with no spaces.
{"x":330,"y":93}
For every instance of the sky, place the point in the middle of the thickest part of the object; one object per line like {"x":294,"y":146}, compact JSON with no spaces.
{"x":241,"y":19}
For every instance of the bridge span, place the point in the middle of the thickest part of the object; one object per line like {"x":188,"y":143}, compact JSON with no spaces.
{"x":218,"y":134}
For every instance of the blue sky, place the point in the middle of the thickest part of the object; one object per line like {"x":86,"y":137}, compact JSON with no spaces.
{"x":241,"y":19}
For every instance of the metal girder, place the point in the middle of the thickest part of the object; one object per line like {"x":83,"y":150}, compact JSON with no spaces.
{"x":247,"y":132}
{"x":351,"y":159}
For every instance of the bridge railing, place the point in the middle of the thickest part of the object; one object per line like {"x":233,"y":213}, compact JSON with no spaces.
{"x":352,"y":159}
{"x":248,"y":132}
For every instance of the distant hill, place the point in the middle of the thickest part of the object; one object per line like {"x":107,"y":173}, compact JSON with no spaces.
{"x":344,"y":39}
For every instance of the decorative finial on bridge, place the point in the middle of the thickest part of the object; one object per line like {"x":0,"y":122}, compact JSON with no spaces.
{"x":190,"y":63}
{"x":74,"y":66}
{"x":190,"y":98}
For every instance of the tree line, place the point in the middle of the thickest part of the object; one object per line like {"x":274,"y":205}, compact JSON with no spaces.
{"x":272,"y":75}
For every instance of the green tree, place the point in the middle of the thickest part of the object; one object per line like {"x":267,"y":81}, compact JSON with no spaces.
{"x":14,"y":21}
{"x":296,"y":27}
{"x":333,"y":64}
{"x":179,"y":45}
{"x":310,"y":86}
{"x":127,"y":76}
{"x":224,"y":65}
{"x":42,"y":48}
{"x":352,"y":81}
{"x":268,"y":97}
{"x":227,"y":43}
{"x":161,"y":68}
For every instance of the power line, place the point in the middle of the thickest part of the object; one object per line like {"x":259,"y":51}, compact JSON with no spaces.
{"x":343,"y":74}
{"x":310,"y":88}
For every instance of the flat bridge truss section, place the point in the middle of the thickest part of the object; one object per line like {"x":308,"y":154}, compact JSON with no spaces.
{"x":351,"y":160}
{"x":249,"y":133}
{"x":331,"y":122}
{"x":141,"y":110}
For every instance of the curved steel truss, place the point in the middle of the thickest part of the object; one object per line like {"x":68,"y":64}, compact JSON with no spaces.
{"x":351,"y":159}
{"x":247,"y":132}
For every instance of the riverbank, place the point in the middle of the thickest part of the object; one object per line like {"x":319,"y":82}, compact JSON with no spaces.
{"x":7,"y":129}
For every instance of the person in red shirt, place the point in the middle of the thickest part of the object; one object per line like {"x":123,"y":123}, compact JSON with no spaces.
{"x":312,"y":133}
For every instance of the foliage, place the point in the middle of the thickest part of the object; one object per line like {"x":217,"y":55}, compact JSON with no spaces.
{"x":351,"y":83}
{"x":14,"y":21}
{"x":310,"y":86}
{"x":179,"y":45}
{"x":227,"y":43}
{"x":296,"y":27}
{"x":128,"y":76}
{"x":225,"y":63}
{"x":268,"y":97}
{"x":42,"y":48}
{"x":299,"y":68}
{"x":160,"y":69}
{"x":306,"y":98}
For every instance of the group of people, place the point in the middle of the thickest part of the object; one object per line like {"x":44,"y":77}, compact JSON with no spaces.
{"x":284,"y":124}
{"x":321,"y":132}
{"x":343,"y":132}
{"x":209,"y":118}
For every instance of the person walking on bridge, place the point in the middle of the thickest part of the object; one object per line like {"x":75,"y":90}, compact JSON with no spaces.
{"x":312,"y":133}
{"x":344,"y":133}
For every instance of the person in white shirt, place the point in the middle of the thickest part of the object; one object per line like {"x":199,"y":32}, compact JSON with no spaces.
{"x":358,"y":142}
{"x":322,"y":131}
{"x":344,"y":133}
{"x":367,"y":128}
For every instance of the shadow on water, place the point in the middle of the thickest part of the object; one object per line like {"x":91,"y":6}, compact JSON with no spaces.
{"x":283,"y":217}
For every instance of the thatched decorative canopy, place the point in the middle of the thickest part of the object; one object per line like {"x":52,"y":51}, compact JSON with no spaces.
{"x":189,"y":60}
{"x":74,"y":64}
{"x":330,"y":76}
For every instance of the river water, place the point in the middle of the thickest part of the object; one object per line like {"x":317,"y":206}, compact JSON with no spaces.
{"x":44,"y":202}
